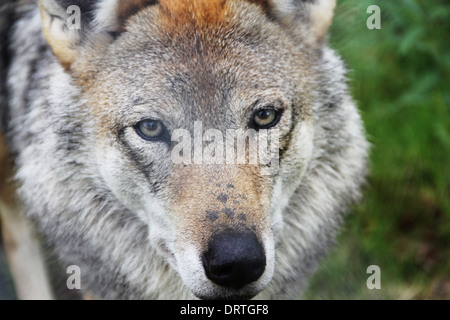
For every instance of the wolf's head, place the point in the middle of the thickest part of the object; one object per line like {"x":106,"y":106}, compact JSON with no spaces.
{"x":170,"y":87}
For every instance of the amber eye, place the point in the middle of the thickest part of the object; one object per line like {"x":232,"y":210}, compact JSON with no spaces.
{"x":150,"y":130}
{"x":265,"y":118}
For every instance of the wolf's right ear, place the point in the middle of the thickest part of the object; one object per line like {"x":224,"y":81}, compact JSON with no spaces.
{"x":307,"y":20}
{"x":69,"y":24}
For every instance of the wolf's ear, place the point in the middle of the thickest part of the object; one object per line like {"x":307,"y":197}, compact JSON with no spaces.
{"x":62,"y":39}
{"x":306,"y":19}
{"x":69,"y":24}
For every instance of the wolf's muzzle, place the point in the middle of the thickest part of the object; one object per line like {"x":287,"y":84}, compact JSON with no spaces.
{"x":234,"y":260}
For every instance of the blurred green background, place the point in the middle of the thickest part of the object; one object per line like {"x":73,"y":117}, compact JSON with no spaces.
{"x":400,"y":77}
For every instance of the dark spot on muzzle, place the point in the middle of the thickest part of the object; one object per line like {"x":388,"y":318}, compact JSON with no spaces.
{"x":222,"y":198}
{"x":234,"y":259}
{"x":212,"y":215}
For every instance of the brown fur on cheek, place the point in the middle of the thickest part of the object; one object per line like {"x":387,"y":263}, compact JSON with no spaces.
{"x":97,"y":91}
{"x":98,"y":103}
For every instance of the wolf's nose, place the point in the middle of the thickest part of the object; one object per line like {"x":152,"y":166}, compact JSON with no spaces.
{"x":234,"y":259}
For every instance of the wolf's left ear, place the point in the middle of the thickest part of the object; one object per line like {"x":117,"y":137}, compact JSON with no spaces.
{"x":69,"y":24}
{"x":308,"y":20}
{"x":62,"y":39}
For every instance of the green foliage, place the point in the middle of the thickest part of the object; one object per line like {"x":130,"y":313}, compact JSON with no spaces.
{"x":400,"y":78}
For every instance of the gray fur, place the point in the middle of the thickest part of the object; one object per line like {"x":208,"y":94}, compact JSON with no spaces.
{"x":52,"y":132}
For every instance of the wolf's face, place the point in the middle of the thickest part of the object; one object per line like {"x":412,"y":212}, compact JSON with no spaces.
{"x":235,"y":69}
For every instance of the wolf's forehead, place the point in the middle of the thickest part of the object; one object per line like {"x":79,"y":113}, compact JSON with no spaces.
{"x":183,"y":12}
{"x":198,"y":11}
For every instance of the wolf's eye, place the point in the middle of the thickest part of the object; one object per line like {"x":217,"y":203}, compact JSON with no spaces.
{"x":150,"y":130}
{"x":265,"y":118}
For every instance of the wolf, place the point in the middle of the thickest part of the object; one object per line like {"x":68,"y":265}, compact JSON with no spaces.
{"x":87,"y":116}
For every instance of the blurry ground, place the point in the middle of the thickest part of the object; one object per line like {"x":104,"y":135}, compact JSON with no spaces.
{"x":6,"y":285}
{"x":400,"y":78}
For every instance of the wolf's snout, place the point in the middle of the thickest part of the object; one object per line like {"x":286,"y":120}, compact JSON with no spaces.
{"x":234,"y":260}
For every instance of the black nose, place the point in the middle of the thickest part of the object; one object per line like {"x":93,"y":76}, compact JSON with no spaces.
{"x":234,"y":260}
